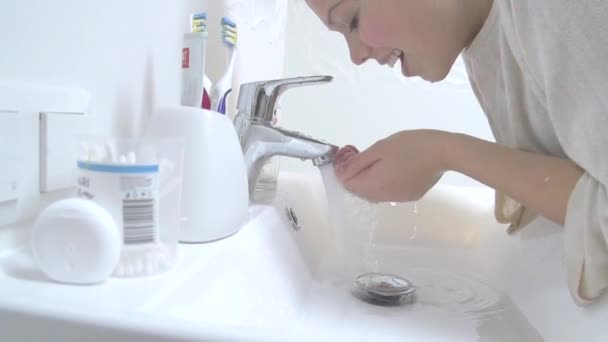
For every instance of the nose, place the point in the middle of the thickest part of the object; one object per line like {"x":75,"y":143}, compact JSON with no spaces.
{"x":359,"y":52}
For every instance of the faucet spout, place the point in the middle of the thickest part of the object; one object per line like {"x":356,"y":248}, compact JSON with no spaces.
{"x":299,"y":145}
{"x":261,"y":139}
{"x":265,"y":142}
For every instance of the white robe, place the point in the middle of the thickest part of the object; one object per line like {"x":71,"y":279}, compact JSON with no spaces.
{"x":540,"y":71}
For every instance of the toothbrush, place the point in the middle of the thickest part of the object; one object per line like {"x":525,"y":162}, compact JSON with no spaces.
{"x":207,"y":84}
{"x":198,"y":23}
{"x":223,"y":87}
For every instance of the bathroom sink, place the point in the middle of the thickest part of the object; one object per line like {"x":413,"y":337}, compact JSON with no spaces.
{"x":280,"y":278}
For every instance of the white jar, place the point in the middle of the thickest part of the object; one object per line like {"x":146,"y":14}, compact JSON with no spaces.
{"x":76,"y":241}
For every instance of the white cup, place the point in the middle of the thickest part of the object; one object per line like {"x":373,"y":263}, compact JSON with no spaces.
{"x":215,"y":197}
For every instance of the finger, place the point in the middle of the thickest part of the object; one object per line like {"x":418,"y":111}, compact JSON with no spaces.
{"x":365,"y":184}
{"x":344,"y":153}
{"x":352,"y":148}
{"x":356,"y":164}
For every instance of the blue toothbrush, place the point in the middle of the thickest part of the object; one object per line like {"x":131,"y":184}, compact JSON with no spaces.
{"x":223,"y":87}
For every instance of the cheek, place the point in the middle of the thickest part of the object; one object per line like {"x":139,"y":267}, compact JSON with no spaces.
{"x":378,"y":25}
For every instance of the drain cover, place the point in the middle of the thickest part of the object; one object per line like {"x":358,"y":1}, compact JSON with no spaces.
{"x":384,"y":289}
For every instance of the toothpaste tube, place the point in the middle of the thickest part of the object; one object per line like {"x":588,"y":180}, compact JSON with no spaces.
{"x":193,"y":68}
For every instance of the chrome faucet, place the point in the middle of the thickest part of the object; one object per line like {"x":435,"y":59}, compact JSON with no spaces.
{"x":261,"y":139}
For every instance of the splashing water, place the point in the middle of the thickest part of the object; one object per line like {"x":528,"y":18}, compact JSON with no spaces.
{"x":354,"y":221}
{"x":414,"y":233}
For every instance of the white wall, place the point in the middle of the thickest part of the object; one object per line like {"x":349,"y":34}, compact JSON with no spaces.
{"x":129,"y":62}
{"x":369,"y":102}
{"x":126,"y":53}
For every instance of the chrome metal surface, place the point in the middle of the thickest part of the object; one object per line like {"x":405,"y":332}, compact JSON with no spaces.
{"x":293,"y":218}
{"x":384,"y":289}
{"x":261,"y":139}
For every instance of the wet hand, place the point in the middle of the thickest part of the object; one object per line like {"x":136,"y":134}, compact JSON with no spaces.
{"x":400,"y":168}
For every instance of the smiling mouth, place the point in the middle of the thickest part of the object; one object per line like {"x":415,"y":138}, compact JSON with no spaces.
{"x":397,"y":55}
{"x":393,"y":58}
{"x":404,"y":69}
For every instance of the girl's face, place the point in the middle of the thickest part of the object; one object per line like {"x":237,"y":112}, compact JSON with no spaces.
{"x":422,"y":34}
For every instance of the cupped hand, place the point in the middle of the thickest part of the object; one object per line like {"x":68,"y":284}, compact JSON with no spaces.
{"x":400,"y":168}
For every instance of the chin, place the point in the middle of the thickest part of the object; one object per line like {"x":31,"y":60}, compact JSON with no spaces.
{"x":437,"y":76}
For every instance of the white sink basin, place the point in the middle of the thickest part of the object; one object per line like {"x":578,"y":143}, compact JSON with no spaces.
{"x":271,"y":282}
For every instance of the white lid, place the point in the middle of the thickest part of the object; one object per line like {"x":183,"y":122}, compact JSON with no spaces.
{"x":76,"y":241}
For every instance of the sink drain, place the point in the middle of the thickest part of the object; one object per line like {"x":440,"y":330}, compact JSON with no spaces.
{"x":384,"y":289}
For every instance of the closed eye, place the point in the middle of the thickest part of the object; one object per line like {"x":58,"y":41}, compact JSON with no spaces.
{"x":354,"y":23}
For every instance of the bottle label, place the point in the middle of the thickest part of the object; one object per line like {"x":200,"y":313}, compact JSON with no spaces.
{"x":128,"y":192}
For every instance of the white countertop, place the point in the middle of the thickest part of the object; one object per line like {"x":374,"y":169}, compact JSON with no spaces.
{"x":121,"y":304}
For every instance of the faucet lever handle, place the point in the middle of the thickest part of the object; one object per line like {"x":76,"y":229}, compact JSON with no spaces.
{"x":258,"y":99}
{"x":276,"y":87}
